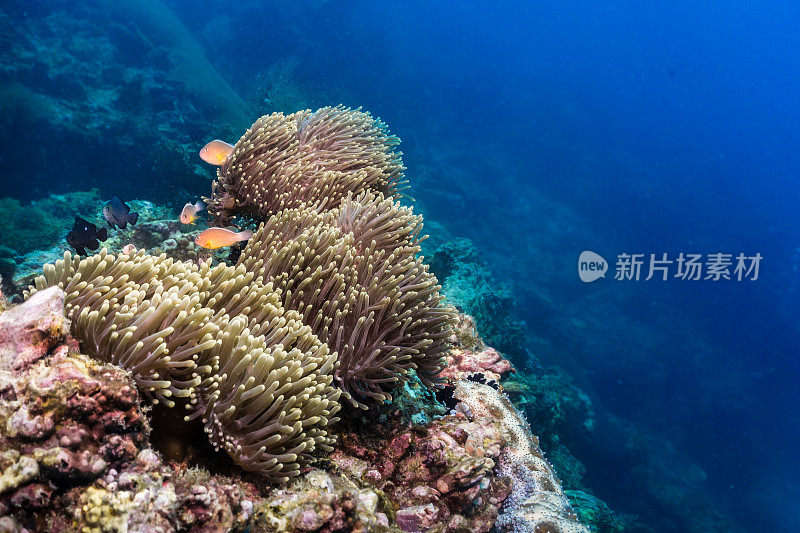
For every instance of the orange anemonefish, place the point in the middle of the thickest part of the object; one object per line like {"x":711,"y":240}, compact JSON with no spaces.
{"x":189,"y":212}
{"x":213,"y":238}
{"x":216,"y":152}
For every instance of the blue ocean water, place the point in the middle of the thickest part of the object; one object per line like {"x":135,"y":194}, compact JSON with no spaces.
{"x":536,"y":129}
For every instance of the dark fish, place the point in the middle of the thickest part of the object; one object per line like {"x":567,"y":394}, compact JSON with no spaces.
{"x":85,"y":235}
{"x":118,"y":213}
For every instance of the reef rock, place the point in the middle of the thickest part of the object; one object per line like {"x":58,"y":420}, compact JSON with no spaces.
{"x":30,"y":331}
{"x":320,"y":501}
{"x":487,"y":362}
{"x":537,"y":502}
{"x":442,"y":474}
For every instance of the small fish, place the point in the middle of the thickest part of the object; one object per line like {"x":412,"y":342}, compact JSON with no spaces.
{"x":128,"y":249}
{"x":116,"y":212}
{"x":189,"y":212}
{"x":85,"y":235}
{"x":219,"y":237}
{"x":216,"y":152}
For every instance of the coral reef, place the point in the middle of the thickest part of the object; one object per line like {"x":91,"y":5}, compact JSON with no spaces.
{"x":461,"y":364}
{"x":74,"y":441}
{"x":28,"y":333}
{"x":76,"y":454}
{"x":442,"y":473}
{"x":594,"y":512}
{"x":305,"y":159}
{"x":321,"y":501}
{"x":65,"y":418}
{"x":231,"y":344}
{"x":41,"y":224}
{"x":127,"y":80}
{"x":188,"y":64}
{"x":552,"y":402}
{"x":151,"y":496}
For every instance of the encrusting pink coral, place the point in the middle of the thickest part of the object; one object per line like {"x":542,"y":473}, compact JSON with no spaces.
{"x":462,"y":363}
{"x":29,"y":333}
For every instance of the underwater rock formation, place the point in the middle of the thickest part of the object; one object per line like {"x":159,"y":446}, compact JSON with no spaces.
{"x":305,"y":159}
{"x":107,"y":78}
{"x":43,"y":223}
{"x":159,"y":26}
{"x":321,"y":501}
{"x":553,"y":402}
{"x":28,"y":333}
{"x":438,"y":474}
{"x":537,"y":502}
{"x":470,"y":286}
{"x":488,"y":363}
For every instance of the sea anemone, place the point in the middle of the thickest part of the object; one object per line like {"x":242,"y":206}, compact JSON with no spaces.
{"x":141,"y":313}
{"x":273,"y":397}
{"x":330,"y":291}
{"x":308,"y":158}
{"x":264,"y":392}
{"x":354,"y":275}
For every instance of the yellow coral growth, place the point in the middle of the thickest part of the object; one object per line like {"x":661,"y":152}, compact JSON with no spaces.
{"x":99,"y":511}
